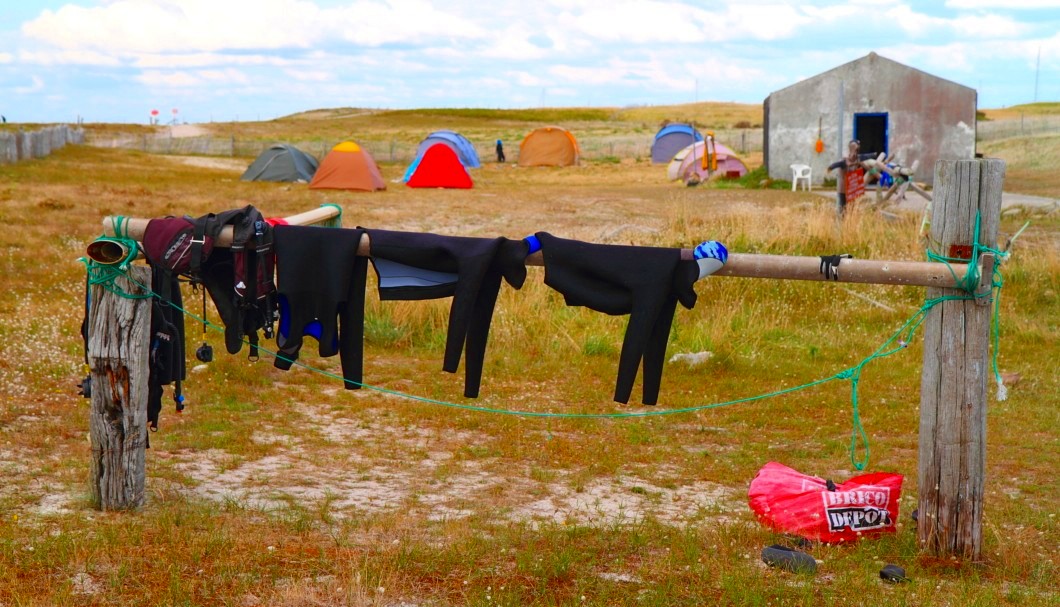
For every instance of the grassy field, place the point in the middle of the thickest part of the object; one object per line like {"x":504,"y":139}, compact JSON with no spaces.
{"x":281,"y":488}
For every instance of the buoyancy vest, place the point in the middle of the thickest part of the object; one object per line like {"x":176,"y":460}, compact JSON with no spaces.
{"x":239,"y":278}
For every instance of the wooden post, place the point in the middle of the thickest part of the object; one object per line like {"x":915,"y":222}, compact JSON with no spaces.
{"x":956,"y":368}
{"x":118,"y":348}
{"x":119,"y":330}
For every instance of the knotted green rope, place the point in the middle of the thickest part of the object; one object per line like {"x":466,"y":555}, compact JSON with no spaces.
{"x":334,"y":222}
{"x":970,"y":284}
{"x":105,"y":274}
{"x":903,"y":336}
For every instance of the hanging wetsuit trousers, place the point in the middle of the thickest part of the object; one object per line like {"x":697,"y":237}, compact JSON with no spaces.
{"x":644,"y":282}
{"x":414,"y":266}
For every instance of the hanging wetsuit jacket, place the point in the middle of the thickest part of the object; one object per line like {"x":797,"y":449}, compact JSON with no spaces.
{"x":166,"y":348}
{"x":414,"y":266}
{"x":644,"y":282}
{"x":320,"y":285}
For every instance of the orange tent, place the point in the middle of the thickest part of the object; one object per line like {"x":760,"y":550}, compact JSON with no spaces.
{"x":348,"y":166}
{"x":549,"y":146}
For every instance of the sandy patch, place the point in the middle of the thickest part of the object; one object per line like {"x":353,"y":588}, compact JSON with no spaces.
{"x":187,"y":130}
{"x":209,"y":162}
{"x":355,"y":473}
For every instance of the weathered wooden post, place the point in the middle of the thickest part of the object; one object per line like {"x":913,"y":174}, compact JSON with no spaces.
{"x":119,"y":330}
{"x":956,"y":366}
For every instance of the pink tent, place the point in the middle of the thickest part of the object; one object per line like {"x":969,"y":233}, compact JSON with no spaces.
{"x":691,"y":159}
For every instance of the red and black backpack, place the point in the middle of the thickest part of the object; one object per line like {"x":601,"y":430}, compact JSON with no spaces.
{"x":239,"y":278}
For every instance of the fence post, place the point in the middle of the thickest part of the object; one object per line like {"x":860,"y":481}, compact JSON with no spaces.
{"x":956,"y":367}
{"x":119,"y":330}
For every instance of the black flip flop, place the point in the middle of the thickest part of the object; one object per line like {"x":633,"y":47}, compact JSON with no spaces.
{"x":788,"y":558}
{"x":893,"y":574}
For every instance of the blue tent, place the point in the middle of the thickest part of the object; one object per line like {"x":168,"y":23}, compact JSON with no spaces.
{"x":671,"y":139}
{"x":465,"y":151}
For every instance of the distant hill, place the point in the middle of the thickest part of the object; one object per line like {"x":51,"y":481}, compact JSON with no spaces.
{"x":708,"y":114}
{"x":1049,"y":108}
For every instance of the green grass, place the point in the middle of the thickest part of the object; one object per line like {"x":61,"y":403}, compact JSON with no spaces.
{"x":281,"y":488}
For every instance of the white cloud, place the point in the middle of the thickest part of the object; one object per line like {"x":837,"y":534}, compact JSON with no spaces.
{"x":1005,"y":4}
{"x":514,"y":42}
{"x":37,"y":86}
{"x":146,"y":26}
{"x":973,"y":26}
{"x":184,"y":79}
{"x":526,"y":79}
{"x":760,"y":22}
{"x":309,"y":75}
{"x":6,"y":57}
{"x":193,"y":60}
{"x":412,"y":22}
{"x":988,"y":26}
{"x":68,"y":57}
{"x":160,"y":26}
{"x":639,"y":22}
{"x":677,"y":23}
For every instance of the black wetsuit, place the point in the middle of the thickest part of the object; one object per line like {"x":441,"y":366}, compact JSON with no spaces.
{"x":644,"y":282}
{"x":413,"y":266}
{"x":320,"y":289}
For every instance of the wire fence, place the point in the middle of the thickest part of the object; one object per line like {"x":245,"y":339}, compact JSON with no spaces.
{"x":1024,"y":126}
{"x":593,"y":147}
{"x":21,"y":145}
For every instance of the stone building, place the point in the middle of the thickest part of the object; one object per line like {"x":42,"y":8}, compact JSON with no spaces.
{"x":889,"y":107}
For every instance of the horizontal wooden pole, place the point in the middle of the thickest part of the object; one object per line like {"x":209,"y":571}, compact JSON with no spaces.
{"x":910,"y":273}
{"x":134,"y":227}
{"x":742,"y":265}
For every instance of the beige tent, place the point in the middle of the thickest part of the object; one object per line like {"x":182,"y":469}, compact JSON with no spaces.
{"x":690,"y":160}
{"x":549,"y":146}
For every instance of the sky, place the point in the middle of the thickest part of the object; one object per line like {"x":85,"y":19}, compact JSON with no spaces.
{"x":225,"y":60}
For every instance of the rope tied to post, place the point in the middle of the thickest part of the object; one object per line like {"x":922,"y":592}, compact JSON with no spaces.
{"x":970,"y":284}
{"x":104,"y":274}
{"x":118,"y":252}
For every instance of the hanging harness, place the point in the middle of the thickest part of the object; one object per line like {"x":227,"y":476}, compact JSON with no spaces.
{"x":239,"y":279}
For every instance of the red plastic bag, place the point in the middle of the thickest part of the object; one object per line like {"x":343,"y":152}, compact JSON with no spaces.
{"x":791,"y":502}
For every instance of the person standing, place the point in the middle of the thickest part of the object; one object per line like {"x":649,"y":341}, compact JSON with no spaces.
{"x":500,"y":151}
{"x":850,"y":163}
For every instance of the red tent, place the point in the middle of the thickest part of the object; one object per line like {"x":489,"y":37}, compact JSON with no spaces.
{"x":439,"y":167}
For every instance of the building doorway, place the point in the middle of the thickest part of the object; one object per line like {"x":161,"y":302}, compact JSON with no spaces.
{"x":871,"y":131}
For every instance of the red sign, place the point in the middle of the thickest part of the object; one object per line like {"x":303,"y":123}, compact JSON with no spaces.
{"x":855,"y":184}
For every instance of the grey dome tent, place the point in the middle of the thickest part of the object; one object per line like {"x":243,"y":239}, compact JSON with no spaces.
{"x":281,"y":162}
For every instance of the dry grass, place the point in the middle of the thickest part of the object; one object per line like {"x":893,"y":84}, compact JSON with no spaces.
{"x":1028,"y":109}
{"x":281,"y":488}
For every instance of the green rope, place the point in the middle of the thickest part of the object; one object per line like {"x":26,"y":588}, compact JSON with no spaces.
{"x":105,"y":274}
{"x":858,"y":434}
{"x":970,"y":284}
{"x":117,"y":223}
{"x":334,"y":222}
{"x":859,"y":438}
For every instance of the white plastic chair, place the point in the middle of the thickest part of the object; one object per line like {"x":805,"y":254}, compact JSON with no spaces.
{"x":800,"y":172}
